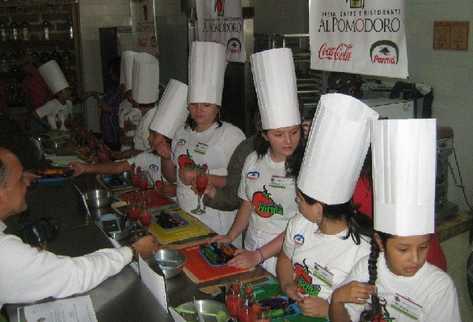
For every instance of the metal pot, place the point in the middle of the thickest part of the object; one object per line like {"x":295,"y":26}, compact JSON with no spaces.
{"x":170,"y":261}
{"x":98,"y":198}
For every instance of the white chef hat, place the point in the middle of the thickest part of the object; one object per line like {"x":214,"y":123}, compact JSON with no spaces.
{"x":126,"y":69}
{"x":145,"y":87}
{"x":53,"y":76}
{"x":206,"y":72}
{"x":275,"y":82}
{"x":172,"y":109}
{"x":404,"y":160}
{"x":337,"y":146}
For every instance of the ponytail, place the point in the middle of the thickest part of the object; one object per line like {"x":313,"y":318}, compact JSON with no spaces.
{"x":375,"y":309}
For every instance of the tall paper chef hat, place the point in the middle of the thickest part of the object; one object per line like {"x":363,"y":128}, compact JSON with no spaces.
{"x":172,"y":109}
{"x":404,"y":160}
{"x":206,"y":72}
{"x":126,"y":69}
{"x":337,"y":146}
{"x":276,"y":88}
{"x":145,"y":88}
{"x":53,"y":76}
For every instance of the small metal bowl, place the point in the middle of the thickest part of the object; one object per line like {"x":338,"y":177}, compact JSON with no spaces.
{"x":98,"y":198}
{"x":170,"y":261}
{"x":209,"y":310}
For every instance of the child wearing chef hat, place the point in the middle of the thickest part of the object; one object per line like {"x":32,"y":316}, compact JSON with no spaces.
{"x":145,"y":94}
{"x":205,"y":140}
{"x":402,"y":285}
{"x":322,"y":242}
{"x":57,"y":109}
{"x":267,"y":187}
{"x":170,"y":115}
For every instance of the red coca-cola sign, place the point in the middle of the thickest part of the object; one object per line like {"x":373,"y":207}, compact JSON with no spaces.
{"x":342,"y":52}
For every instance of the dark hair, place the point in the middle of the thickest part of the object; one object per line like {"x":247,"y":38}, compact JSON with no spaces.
{"x":375,"y":310}
{"x":114,"y":66}
{"x":343,"y":211}
{"x":3,"y":173}
{"x":293,"y":162}
{"x":190,"y":123}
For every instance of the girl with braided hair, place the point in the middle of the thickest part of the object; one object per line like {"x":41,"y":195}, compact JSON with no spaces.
{"x":322,"y":242}
{"x":395,"y":282}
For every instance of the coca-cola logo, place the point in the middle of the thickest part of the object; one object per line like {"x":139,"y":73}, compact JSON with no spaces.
{"x":342,"y":52}
{"x":384,"y":52}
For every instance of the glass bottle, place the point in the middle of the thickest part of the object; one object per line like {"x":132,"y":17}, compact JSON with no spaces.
{"x":233,"y":300}
{"x":46,"y":30}
{"x":25,"y":30}
{"x":70,"y":29}
{"x":3,"y":31}
{"x":4,"y":62}
{"x":14,"y":30}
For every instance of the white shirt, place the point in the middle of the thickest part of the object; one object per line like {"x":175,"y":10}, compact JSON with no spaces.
{"x":148,"y":161}
{"x":428,"y":296}
{"x":272,"y":195}
{"x":124,"y":107}
{"x":54,"y":109}
{"x":213,"y":147}
{"x":28,"y":274}
{"x":132,"y":115}
{"x":142,"y":131}
{"x":327,"y":259}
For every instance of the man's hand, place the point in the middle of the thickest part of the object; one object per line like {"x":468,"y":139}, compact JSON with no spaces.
{"x":146,"y":246}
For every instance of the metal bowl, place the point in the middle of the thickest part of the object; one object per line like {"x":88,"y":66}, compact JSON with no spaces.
{"x":170,"y":261}
{"x":98,"y":198}
{"x":209,"y":310}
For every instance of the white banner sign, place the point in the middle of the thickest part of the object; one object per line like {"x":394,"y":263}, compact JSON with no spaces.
{"x":221,"y":21}
{"x":358,"y":36}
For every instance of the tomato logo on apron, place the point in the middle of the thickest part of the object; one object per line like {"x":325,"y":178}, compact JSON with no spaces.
{"x":264,"y":205}
{"x":185,"y":160}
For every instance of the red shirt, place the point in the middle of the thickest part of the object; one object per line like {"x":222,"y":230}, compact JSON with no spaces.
{"x":35,"y":87}
{"x":363,"y":200}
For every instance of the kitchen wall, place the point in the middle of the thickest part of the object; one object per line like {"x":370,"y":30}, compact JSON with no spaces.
{"x":450,"y":73}
{"x":95,"y":14}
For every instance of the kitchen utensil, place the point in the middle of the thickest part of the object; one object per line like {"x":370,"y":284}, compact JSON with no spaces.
{"x":98,"y":198}
{"x":170,"y":261}
{"x":209,"y":310}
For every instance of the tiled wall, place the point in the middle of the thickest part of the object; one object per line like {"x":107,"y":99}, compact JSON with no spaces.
{"x":95,"y":14}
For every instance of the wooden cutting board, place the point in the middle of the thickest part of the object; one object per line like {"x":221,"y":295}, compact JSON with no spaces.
{"x":200,"y":271}
{"x":191,"y":229}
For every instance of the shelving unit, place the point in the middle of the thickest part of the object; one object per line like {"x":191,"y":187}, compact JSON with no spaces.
{"x":63,"y":44}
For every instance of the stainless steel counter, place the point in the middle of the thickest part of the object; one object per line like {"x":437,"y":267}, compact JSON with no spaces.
{"x":122,"y":297}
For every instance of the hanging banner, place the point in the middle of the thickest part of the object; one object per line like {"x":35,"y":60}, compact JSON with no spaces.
{"x":358,"y":36}
{"x":221,"y":21}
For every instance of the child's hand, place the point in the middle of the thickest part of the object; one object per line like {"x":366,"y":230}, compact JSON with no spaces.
{"x":314,"y":306}
{"x":292,"y":291}
{"x":245,"y":259}
{"x":353,"y":292}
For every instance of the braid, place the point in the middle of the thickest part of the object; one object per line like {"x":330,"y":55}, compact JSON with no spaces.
{"x":375,"y":309}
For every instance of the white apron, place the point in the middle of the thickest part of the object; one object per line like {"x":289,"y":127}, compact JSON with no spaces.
{"x":213,"y":147}
{"x":265,"y":185}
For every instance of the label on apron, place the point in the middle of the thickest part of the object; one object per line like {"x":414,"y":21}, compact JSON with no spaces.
{"x":323,"y":274}
{"x":280,"y":182}
{"x":407,"y":307}
{"x":201,"y":148}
